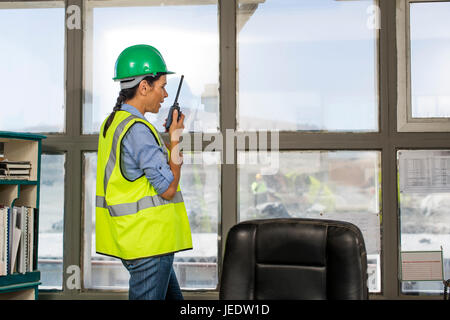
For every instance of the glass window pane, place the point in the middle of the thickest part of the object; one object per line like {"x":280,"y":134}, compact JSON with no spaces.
{"x":32,"y":53}
{"x":200,"y":183}
{"x":195,"y":269}
{"x":334,"y":185}
{"x":424,"y":202}
{"x":100,"y":272}
{"x":51,"y":221}
{"x":430,"y":59}
{"x":188,"y":39}
{"x":307,"y":65}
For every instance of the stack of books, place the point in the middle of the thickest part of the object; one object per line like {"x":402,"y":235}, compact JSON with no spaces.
{"x":16,"y":240}
{"x":15,"y":170}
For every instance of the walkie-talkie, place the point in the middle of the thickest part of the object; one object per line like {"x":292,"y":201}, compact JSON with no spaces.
{"x":174,"y":106}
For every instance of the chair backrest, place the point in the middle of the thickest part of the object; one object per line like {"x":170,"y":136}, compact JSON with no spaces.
{"x":293,"y":259}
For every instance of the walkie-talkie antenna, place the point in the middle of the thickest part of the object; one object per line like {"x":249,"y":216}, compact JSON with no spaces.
{"x":178,"y":91}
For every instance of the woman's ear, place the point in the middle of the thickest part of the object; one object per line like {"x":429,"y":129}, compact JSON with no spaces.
{"x":145,"y":88}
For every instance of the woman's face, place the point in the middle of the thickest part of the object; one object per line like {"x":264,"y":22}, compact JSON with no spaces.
{"x":156,"y":95}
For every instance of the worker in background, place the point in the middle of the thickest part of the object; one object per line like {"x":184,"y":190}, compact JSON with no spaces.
{"x":267,"y":202}
{"x":259,"y":190}
{"x":319,"y":195}
{"x":140,"y":214}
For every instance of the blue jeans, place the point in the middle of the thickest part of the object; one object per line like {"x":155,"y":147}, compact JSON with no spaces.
{"x":153,"y":279}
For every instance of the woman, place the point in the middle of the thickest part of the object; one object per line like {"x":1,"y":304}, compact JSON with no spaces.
{"x":140,"y":213}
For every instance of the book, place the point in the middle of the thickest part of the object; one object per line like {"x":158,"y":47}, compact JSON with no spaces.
{"x":15,"y":234}
{"x":15,"y":164}
{"x":23,"y":246}
{"x":8,"y":240}
{"x":15,"y":174}
{"x":18,"y":171}
{"x":15,"y":177}
{"x":3,"y":240}
{"x":30,"y":256}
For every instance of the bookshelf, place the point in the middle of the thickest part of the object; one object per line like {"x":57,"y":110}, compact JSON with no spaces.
{"x":22,"y":193}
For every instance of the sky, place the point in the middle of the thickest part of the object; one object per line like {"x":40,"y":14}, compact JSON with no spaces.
{"x":321,"y":56}
{"x":32,"y":69}
{"x":302,"y":65}
{"x":430,"y":59}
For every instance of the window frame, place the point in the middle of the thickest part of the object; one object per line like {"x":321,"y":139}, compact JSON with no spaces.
{"x":413,"y":295}
{"x":391,"y":70}
{"x":47,"y":4}
{"x":405,"y":122}
{"x":49,"y":153}
{"x":87,"y":13}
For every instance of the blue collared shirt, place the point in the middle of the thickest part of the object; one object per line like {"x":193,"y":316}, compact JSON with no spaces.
{"x":141,"y":154}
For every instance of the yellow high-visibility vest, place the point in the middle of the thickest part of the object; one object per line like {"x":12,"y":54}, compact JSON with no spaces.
{"x":131,"y":220}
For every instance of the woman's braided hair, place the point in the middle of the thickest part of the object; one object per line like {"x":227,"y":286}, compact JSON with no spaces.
{"x":124,"y":95}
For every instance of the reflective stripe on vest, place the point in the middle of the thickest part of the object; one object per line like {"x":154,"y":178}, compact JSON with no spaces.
{"x":112,"y":156}
{"x":124,"y":209}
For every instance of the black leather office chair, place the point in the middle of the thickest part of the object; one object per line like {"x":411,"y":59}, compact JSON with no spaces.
{"x":293,"y":259}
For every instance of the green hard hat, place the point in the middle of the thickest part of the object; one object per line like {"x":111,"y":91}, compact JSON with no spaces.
{"x":136,"y":62}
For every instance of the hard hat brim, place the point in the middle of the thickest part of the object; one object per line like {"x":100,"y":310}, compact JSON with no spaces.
{"x":143,"y":74}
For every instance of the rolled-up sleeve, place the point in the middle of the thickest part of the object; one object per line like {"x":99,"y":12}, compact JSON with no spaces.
{"x":143,"y":155}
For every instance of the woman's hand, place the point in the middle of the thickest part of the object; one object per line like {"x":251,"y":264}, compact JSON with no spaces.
{"x":176,"y":157}
{"x":175,"y":131}
{"x":176,"y":127}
